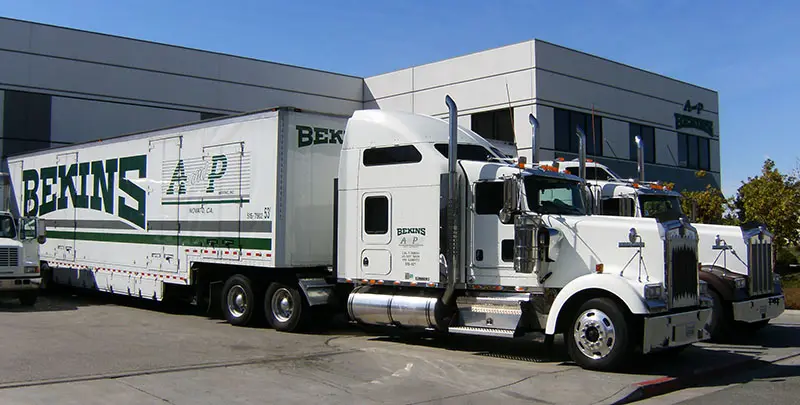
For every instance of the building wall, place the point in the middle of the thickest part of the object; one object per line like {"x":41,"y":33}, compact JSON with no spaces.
{"x":103,"y":86}
{"x":63,"y":86}
{"x":622,"y":95}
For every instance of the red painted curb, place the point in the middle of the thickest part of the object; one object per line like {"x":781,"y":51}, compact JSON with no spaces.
{"x":664,"y":385}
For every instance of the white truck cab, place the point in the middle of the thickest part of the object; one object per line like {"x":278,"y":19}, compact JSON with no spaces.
{"x":19,"y":252}
{"x":736,"y":262}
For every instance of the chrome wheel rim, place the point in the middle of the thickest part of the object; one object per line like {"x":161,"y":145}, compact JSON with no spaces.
{"x":237,"y":301}
{"x":594,"y":334}
{"x":282,"y":305}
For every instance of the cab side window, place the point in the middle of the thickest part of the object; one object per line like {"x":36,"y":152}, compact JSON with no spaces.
{"x":488,"y":197}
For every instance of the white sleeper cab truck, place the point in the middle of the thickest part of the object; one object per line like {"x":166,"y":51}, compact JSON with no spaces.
{"x":394,"y":218}
{"x":19,"y":251}
{"x":736,"y":262}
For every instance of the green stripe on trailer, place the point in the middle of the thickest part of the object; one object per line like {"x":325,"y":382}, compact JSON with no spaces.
{"x":183,"y":240}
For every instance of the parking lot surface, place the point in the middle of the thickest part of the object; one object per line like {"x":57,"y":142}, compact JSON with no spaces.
{"x":100,"y":349}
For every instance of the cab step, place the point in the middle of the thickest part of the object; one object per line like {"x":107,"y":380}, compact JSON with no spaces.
{"x":476,"y":331}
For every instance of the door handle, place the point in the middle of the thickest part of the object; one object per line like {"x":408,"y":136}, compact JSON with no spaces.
{"x":365,"y":261}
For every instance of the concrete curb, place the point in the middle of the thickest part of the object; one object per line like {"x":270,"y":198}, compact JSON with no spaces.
{"x":665,"y":385}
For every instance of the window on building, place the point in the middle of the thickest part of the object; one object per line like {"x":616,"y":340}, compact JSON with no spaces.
{"x":376,"y":215}
{"x":26,"y":121}
{"x":566,"y":124}
{"x":488,"y":197}
{"x":694,"y":152}
{"x":207,"y":115}
{"x":648,"y":135}
{"x":494,"y":125}
{"x":392,"y":155}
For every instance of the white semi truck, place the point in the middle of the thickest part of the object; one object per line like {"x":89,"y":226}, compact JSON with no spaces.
{"x":736,"y":262}
{"x":19,"y":251}
{"x":394,"y":218}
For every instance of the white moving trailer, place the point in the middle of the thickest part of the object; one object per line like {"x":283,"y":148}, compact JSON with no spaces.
{"x":404,"y":221}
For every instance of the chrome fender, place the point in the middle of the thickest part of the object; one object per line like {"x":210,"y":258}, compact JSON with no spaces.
{"x":613,"y":284}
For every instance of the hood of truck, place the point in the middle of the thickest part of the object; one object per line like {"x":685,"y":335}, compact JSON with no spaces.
{"x":734,"y":260}
{"x":589,"y":241}
{"x":6,"y":242}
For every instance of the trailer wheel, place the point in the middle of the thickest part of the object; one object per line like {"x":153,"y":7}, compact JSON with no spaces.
{"x":239,"y":302}
{"x":598,"y":337}
{"x":28,"y":299}
{"x":285,"y":307}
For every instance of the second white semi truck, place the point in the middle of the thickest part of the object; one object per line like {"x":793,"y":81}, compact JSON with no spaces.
{"x":397,"y":219}
{"x":736,"y":262}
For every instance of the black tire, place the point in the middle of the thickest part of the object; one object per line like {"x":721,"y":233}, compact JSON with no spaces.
{"x":285,"y":307}
{"x":239,"y":301}
{"x":719,"y":321}
{"x":28,"y":299}
{"x":752,"y":328}
{"x":594,"y":321}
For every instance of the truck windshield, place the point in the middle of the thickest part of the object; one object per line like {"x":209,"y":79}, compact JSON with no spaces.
{"x":7,"y":228}
{"x":661,"y":207}
{"x":554,"y":196}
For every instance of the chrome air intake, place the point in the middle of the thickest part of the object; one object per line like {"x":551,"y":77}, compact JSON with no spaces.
{"x":759,"y":261}
{"x":681,"y":269}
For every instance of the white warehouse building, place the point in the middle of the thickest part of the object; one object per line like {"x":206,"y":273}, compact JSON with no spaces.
{"x":61,"y":86}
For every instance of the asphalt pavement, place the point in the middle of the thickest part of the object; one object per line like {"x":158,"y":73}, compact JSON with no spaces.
{"x":87,"y":349}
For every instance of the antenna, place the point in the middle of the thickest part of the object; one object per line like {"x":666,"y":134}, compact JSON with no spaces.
{"x":510,"y":112}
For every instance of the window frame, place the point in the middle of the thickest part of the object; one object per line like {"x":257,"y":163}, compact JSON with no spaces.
{"x":385,"y":222}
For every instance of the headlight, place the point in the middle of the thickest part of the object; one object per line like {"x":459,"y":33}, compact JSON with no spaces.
{"x":740,"y":282}
{"x":31,"y":269}
{"x":653,"y":291}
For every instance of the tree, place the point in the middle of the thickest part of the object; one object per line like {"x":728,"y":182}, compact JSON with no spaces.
{"x":773,"y":199}
{"x":710,"y":203}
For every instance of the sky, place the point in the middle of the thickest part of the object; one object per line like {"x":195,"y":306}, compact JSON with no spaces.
{"x":747,"y":51}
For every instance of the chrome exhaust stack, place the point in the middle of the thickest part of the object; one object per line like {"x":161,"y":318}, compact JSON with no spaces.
{"x":640,"y":157}
{"x":581,"y":152}
{"x":453,"y":218}
{"x":534,"y":149}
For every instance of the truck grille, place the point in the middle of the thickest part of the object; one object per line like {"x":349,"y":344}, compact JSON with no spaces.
{"x":759,"y":259}
{"x":682,"y":278}
{"x":9,"y":257}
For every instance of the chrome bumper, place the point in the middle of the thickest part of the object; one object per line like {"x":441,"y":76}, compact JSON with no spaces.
{"x":19,"y":284}
{"x":759,"y":309}
{"x":661,"y":332}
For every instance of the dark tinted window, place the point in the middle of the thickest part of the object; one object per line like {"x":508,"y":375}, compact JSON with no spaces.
{"x":507,"y":250}
{"x":617,"y":207}
{"x":494,"y":125}
{"x":376,"y":215}
{"x":392,"y":155}
{"x":488,"y":197}
{"x":26,"y":121}
{"x":693,"y":152}
{"x":592,"y":173}
{"x":566,"y":124}
{"x":648,"y":137}
{"x":467,"y":152}
{"x":703,"y":154}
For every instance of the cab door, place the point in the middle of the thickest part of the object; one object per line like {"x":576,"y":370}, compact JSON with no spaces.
{"x":376,"y":258}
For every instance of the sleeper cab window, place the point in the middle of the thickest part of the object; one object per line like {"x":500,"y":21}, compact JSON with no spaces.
{"x":392,"y":155}
{"x":376,"y":215}
{"x":488,"y":197}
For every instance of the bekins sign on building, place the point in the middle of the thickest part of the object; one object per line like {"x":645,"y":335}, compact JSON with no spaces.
{"x":688,"y":121}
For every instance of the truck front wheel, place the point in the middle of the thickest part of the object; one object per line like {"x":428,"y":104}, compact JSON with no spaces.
{"x":239,"y":302}
{"x":28,"y":299}
{"x":285,"y":307}
{"x":598,"y":337}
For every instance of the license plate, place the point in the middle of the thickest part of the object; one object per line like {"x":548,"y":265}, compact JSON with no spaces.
{"x":690,"y":330}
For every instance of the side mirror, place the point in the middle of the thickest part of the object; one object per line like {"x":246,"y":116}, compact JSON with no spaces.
{"x":512,"y":203}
